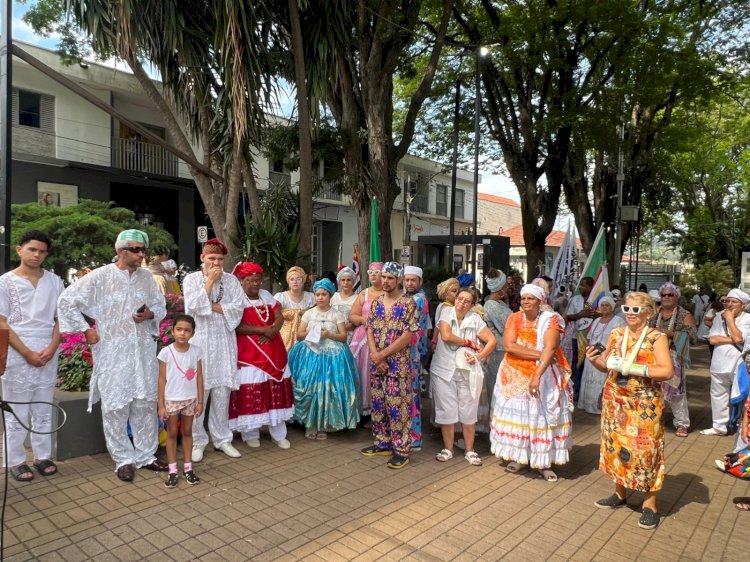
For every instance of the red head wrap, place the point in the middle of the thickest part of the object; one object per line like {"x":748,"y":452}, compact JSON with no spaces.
{"x":214,"y":246}
{"x":245,"y":268}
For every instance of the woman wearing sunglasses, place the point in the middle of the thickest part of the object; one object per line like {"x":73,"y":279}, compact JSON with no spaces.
{"x":632,"y":450}
{"x":679,"y":326}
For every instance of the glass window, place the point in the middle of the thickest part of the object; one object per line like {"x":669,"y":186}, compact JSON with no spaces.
{"x":29,"y":109}
{"x":459,"y":203}
{"x":441,"y":200}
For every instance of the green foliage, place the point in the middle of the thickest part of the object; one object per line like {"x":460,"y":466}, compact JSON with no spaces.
{"x":281,"y":143}
{"x":82,"y":235}
{"x":717,"y":275}
{"x":273,"y":241}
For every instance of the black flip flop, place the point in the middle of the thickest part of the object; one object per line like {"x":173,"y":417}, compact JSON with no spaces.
{"x":17,"y":471}
{"x":43,"y":465}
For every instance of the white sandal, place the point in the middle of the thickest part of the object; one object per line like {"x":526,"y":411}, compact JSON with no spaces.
{"x":473,"y":459}
{"x":444,"y":456}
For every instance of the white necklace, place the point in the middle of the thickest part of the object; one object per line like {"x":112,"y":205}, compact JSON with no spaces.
{"x":672,"y":319}
{"x":263,"y":317}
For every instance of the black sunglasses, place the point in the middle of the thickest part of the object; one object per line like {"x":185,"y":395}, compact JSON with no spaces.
{"x":135,"y":249}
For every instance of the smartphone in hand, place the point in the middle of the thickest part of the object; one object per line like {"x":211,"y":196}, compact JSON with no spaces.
{"x":600,"y":347}
{"x":141,"y":309}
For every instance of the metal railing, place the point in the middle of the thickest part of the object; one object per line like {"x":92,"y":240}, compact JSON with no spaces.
{"x":140,"y":156}
{"x":280,"y":178}
{"x":332,"y":190}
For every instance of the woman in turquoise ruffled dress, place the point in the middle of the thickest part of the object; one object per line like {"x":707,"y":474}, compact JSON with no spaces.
{"x":324,"y":374}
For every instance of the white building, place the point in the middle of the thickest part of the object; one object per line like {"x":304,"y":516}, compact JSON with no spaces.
{"x":65,"y":148}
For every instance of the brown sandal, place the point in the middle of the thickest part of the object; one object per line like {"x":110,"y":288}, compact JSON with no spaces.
{"x":682,"y":431}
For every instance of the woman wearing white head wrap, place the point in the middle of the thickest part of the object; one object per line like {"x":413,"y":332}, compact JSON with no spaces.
{"x":344,"y":299}
{"x":497,"y":315}
{"x":531,"y":415}
{"x":592,"y":381}
{"x":680,"y":327}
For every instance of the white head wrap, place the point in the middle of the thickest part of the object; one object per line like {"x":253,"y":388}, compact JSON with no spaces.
{"x":739,"y":295}
{"x":413,"y":270}
{"x":344,"y":272}
{"x":609,"y":300}
{"x":534,"y":290}
{"x":494,"y":284}
{"x":616,"y":293}
{"x":654,"y":294}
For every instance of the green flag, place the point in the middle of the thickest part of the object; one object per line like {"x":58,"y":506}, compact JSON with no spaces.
{"x":374,"y":237}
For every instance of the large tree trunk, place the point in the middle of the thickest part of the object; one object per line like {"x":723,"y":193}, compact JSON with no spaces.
{"x":304,"y":250}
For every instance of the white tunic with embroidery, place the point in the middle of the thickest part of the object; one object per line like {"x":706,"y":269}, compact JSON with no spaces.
{"x":125,"y":367}
{"x":31,"y":313}
{"x":214,"y":332}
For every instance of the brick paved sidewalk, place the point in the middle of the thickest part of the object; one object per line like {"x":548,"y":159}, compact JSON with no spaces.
{"x":324,"y":501}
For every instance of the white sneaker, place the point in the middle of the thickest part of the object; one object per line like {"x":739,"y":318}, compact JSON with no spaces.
{"x":712,"y":431}
{"x":720,"y":465}
{"x":229,"y":450}
{"x":197,"y":453}
{"x":282,"y":443}
{"x":254,"y":443}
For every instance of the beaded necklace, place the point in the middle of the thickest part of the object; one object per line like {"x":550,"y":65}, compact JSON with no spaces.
{"x":533,"y":324}
{"x":672,"y":320}
{"x":263,"y":317}
{"x":220,"y":294}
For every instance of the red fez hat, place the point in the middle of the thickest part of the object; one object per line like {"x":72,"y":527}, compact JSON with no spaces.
{"x":214,"y":246}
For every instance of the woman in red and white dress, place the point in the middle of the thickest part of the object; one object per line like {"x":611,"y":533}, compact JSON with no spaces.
{"x":265,"y":393}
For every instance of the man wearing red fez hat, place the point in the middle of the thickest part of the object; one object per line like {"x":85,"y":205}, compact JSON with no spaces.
{"x":265,"y":393}
{"x":216,"y":300}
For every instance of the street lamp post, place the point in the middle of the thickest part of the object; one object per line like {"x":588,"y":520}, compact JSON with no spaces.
{"x":6,"y":131}
{"x":480,"y":52}
{"x":454,"y":177}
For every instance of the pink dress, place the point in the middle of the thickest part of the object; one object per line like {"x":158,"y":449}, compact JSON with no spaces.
{"x":361,"y":353}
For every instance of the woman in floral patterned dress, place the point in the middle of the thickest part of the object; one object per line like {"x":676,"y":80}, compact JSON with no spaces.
{"x":632,"y":450}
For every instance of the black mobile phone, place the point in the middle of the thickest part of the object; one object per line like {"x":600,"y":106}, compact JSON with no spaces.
{"x":142,"y":309}
{"x":600,"y":347}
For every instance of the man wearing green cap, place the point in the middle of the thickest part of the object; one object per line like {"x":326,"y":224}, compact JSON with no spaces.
{"x":127,"y":306}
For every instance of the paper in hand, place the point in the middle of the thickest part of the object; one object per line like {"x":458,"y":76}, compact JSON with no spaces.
{"x":313,"y":334}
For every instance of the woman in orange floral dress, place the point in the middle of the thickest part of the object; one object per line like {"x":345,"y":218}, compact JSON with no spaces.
{"x":531,"y":415}
{"x":632,"y":451}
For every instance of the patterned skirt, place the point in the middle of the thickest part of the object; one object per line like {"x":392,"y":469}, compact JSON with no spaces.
{"x":632,"y":448}
{"x":534,"y":431}
{"x":326,"y":381}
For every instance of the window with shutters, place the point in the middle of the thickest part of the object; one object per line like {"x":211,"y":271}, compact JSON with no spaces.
{"x":459,"y":203}
{"x":441,"y":200}
{"x":31,"y":109}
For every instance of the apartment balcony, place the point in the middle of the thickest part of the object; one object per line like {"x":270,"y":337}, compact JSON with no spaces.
{"x":330,"y":190}
{"x":139,"y":156}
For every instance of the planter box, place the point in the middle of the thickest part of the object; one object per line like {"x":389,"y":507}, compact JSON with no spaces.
{"x":82,"y":433}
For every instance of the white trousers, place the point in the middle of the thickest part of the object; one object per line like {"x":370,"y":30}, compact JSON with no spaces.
{"x":218,"y":419}
{"x":36,"y":416}
{"x":278,"y":432}
{"x":721,"y":388}
{"x":142,"y":417}
{"x":679,"y":405}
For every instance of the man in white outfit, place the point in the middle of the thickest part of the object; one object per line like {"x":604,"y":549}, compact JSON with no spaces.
{"x":216,"y":300}
{"x":127,"y":307}
{"x":728,"y":332}
{"x":28,"y":308}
